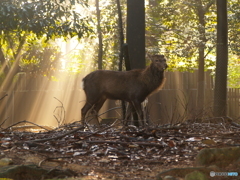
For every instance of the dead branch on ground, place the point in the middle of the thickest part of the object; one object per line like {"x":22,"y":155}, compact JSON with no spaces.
{"x":25,"y":121}
{"x":3,"y":97}
{"x":4,"y":121}
{"x":69,"y":132}
{"x":62,"y":113}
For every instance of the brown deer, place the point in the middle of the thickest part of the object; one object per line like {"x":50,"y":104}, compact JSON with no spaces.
{"x":131,"y":86}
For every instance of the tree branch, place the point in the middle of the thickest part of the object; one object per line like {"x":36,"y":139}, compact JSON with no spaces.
{"x":208,"y":5}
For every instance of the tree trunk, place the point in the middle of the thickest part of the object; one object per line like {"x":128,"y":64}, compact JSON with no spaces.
{"x":136,"y":33}
{"x":201,"y":59}
{"x":121,"y":43}
{"x":136,"y":37}
{"x":4,"y":64}
{"x":99,"y":31}
{"x":220,"y":91}
{"x":121,"y":35}
{"x":201,"y":10}
{"x":15,"y":68}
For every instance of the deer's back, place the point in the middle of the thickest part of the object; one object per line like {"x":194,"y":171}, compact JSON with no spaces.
{"x":117,"y":85}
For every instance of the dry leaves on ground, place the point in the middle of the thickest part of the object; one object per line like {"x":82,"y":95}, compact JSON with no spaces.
{"x":111,"y":152}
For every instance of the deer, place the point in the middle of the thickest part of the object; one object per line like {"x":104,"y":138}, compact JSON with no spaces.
{"x":132,"y":86}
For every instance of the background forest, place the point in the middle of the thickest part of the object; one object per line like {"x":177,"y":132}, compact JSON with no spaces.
{"x":47,"y":46}
{"x":32,"y":33}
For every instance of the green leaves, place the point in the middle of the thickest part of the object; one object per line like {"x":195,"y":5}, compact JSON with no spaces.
{"x":178,"y":28}
{"x":53,"y":18}
{"x":27,"y":26}
{"x":178,"y":32}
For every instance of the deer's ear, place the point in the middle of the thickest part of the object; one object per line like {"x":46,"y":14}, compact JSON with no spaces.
{"x":159,"y":56}
{"x":154,"y":58}
{"x":149,"y":56}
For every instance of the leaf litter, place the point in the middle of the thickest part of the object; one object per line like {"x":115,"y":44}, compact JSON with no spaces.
{"x":116,"y":152}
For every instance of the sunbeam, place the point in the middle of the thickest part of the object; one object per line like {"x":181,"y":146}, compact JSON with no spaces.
{"x":55,"y":98}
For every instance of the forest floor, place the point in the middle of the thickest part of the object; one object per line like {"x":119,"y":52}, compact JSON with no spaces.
{"x":113,"y":152}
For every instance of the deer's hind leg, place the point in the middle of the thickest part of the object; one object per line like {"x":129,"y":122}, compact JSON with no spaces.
{"x":97,"y":106}
{"x":84,"y":111}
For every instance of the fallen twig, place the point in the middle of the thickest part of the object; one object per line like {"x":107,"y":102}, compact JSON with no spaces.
{"x":65,"y":134}
{"x":101,"y":130}
{"x":126,"y":143}
{"x":25,"y":121}
{"x":4,"y":121}
{"x":62,"y":119}
{"x":53,"y":138}
{"x":3,"y":96}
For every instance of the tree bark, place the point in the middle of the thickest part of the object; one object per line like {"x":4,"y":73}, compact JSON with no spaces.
{"x":121,"y":43}
{"x":136,"y":37}
{"x":136,"y":33}
{"x":121,"y":35}
{"x":220,"y":91}
{"x":4,"y":64}
{"x":99,"y":31}
{"x":15,"y":68}
{"x":201,"y":60}
{"x":201,"y":10}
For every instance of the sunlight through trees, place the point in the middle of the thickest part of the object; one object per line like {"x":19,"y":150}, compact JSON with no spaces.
{"x":55,"y":38}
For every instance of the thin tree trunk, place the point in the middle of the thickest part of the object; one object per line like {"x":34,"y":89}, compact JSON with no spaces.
{"x":201,"y":10}
{"x":15,"y":68}
{"x":99,"y":31}
{"x":201,"y":60}
{"x":121,"y":43}
{"x":4,"y":64}
{"x":121,"y":35}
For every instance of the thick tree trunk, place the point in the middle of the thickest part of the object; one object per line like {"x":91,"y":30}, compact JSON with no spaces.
{"x":136,"y":33}
{"x":220,"y":92}
{"x":136,"y":36}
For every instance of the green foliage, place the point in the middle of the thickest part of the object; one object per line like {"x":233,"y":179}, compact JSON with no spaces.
{"x":173,"y":28}
{"x":42,"y":17}
{"x":81,"y":59}
{"x":40,"y":56}
{"x":109,"y":28}
{"x":234,"y":75}
{"x":85,"y":57}
{"x":26,"y":27}
{"x":234,"y":26}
